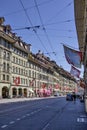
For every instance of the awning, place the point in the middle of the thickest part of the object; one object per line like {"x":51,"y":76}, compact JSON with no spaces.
{"x":56,"y":90}
{"x":30,"y":90}
{"x":43,"y":90}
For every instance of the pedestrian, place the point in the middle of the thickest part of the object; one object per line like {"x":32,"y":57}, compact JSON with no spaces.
{"x":74,"y":97}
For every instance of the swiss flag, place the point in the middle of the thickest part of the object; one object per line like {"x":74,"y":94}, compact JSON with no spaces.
{"x":43,"y":85}
{"x":57,"y":86}
{"x":73,"y":57}
{"x":17,"y":80}
{"x":32,"y":82}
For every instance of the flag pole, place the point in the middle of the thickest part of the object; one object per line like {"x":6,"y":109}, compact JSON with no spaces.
{"x":71,"y":47}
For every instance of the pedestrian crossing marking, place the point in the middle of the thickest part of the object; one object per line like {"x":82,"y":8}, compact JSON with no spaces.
{"x":81,"y":119}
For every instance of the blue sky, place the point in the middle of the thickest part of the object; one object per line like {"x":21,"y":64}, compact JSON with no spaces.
{"x":55,"y":19}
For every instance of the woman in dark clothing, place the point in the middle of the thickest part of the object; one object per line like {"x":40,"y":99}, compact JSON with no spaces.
{"x":74,"y":96}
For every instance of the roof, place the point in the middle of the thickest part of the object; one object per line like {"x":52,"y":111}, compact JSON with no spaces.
{"x":79,"y":9}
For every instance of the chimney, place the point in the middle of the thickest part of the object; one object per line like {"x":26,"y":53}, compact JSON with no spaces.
{"x":2,"y":20}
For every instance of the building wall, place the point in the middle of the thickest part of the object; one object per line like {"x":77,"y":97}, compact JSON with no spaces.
{"x":22,"y":75}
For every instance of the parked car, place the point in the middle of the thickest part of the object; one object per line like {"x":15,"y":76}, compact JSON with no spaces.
{"x":69,"y":97}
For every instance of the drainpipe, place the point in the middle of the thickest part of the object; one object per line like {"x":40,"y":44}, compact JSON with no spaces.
{"x":85,"y":77}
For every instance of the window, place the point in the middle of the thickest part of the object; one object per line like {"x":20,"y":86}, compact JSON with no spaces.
{"x":7,"y":77}
{"x":13,"y":69}
{"x":4,"y":55}
{"x":17,"y":60}
{"x":8,"y":56}
{"x":3,"y":76}
{"x":22,"y":71}
{"x":14,"y":59}
{"x":19,"y":70}
{"x":29,"y":73}
{"x":29,"y":65}
{"x":13,"y":79}
{"x":26,"y":82}
{"x":8,"y":45}
{"x":4,"y":43}
{"x":16,"y":70}
{"x":7,"y":67}
{"x":26,"y":72}
{"x":33,"y":74}
{"x":4,"y":66}
{"x":21,"y":80}
{"x":24,"y":63}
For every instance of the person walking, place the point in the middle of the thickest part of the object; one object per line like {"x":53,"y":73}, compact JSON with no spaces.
{"x":74,"y":97}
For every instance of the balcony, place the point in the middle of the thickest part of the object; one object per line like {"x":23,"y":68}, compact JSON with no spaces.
{"x":6,"y":35}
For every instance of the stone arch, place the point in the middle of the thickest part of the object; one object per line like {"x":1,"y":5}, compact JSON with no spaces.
{"x":25,"y":92}
{"x":20,"y":91}
{"x":14,"y":92}
{"x":5,"y":92}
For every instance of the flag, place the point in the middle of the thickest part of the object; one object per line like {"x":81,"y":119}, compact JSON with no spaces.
{"x":57,"y":86}
{"x":43,"y":85}
{"x":82,"y":84}
{"x":17,"y":80}
{"x":32,"y":82}
{"x":73,"y":57}
{"x":75,"y":72}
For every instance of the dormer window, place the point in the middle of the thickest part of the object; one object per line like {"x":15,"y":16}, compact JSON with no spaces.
{"x":21,"y":44}
{"x":25,"y":47}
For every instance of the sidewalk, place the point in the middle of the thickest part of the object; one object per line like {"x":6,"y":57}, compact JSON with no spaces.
{"x":7,"y":100}
{"x":72,"y":117}
{"x":75,"y":117}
